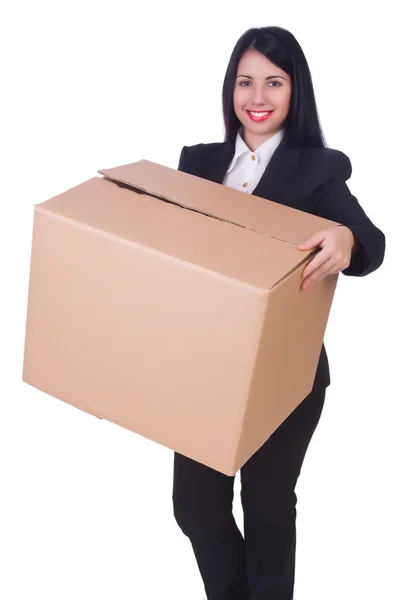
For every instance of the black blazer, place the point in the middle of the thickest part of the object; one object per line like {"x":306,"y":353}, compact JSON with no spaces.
{"x":308,"y":179}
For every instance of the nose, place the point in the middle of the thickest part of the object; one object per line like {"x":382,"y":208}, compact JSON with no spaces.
{"x":258,"y":97}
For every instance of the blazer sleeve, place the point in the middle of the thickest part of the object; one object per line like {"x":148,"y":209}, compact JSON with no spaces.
{"x":187,"y":158}
{"x":334,"y":201}
{"x":184,"y":160}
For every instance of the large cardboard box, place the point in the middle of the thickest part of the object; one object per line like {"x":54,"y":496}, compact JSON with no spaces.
{"x":171,"y":306}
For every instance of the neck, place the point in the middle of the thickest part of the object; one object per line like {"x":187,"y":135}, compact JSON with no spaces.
{"x":254,"y":141}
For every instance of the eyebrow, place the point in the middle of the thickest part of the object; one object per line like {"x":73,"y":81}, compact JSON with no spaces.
{"x":266,"y":78}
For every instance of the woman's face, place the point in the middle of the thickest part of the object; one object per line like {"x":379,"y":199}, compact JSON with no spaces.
{"x":260,"y":87}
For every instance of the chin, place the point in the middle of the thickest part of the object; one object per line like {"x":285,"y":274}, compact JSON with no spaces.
{"x":262,"y":129}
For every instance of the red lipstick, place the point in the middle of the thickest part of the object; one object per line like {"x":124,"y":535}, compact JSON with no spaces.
{"x":260,"y":115}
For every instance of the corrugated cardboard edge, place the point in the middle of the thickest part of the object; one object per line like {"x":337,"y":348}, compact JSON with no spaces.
{"x":131,"y":187}
{"x":165,"y":198}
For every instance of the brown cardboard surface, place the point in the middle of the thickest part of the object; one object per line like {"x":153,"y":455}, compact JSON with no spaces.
{"x":182,"y":327}
{"x":214,"y":199}
{"x":183,"y":234}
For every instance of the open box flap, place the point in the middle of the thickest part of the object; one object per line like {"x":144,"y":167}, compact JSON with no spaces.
{"x":218,"y":201}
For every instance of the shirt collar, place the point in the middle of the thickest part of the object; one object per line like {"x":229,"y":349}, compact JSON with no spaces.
{"x":263,"y":152}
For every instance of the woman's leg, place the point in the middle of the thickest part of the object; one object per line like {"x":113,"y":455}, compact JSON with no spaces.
{"x":203,"y":499}
{"x":268,"y":481}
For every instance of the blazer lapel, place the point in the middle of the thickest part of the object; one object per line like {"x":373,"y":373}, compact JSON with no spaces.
{"x":280,"y":168}
{"x":282,"y":165}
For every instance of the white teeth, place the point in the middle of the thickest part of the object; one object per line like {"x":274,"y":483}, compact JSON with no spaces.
{"x":259,"y":114}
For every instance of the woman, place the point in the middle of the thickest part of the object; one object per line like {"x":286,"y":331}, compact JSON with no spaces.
{"x":274,"y":149}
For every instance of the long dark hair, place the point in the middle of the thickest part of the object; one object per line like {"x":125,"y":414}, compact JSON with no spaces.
{"x":302,"y":124}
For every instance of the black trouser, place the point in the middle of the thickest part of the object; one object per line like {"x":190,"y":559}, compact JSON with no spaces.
{"x":260,"y":566}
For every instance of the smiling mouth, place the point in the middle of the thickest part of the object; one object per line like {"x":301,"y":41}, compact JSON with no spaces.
{"x":259,"y":115}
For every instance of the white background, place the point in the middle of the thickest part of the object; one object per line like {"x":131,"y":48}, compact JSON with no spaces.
{"x":85,"y":506}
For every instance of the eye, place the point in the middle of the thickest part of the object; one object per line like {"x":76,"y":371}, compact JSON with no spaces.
{"x":271,"y":83}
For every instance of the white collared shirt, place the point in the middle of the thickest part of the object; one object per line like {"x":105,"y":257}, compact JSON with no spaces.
{"x":246,"y":167}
